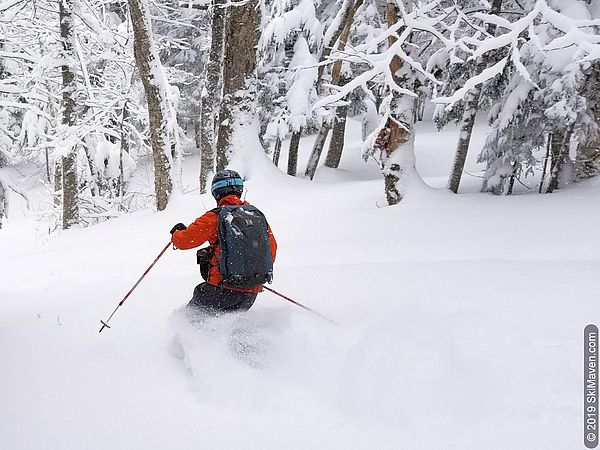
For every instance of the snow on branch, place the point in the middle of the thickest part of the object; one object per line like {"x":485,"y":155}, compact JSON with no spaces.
{"x":485,"y":75}
{"x":416,"y":21}
{"x":575,"y":32}
{"x":546,"y":29}
{"x":301,"y":17}
{"x":6,"y":5}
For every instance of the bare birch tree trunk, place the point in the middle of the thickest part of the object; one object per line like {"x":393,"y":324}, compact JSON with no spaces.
{"x":468,"y":119}
{"x":346,"y":26}
{"x":212,"y":93}
{"x":148,"y":64}
{"x":69,"y":88}
{"x":239,"y":64}
{"x":396,"y":139}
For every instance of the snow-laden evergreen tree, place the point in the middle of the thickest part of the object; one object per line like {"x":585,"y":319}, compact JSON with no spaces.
{"x":542,"y":101}
{"x":588,"y":149}
{"x":288,"y":51}
{"x":456,"y":68}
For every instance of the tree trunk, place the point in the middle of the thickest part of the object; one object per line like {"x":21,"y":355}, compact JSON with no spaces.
{"x":277,"y":151}
{"x":588,"y":154}
{"x":545,"y":164}
{"x":69,"y":89}
{"x":148,"y":64}
{"x":293,"y":153}
{"x":336,"y":146}
{"x":511,"y":180}
{"x":346,"y":26}
{"x":48,"y":170}
{"x":469,"y":115}
{"x":239,"y":64}
{"x":3,"y":202}
{"x":315,"y":155}
{"x":3,"y":75}
{"x":396,"y":139}
{"x":559,"y":150}
{"x":58,"y":183}
{"x":212,"y":93}
{"x":345,"y":15}
{"x":224,"y":130}
{"x":466,"y":130}
{"x":123,"y":148}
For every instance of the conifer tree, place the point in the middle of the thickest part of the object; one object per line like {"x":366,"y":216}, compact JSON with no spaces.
{"x":287,"y":58}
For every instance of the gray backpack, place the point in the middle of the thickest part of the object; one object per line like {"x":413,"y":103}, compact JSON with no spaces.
{"x":245,"y":260}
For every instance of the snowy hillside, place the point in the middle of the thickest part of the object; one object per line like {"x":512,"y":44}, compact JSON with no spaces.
{"x":452,"y":336}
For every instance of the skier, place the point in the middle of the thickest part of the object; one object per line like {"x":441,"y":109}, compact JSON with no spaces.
{"x":235,"y":291}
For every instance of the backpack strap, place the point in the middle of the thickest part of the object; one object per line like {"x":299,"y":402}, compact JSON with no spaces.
{"x":217,"y":211}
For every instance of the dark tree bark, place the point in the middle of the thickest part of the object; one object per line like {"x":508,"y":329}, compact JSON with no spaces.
{"x":212,"y":93}
{"x":545,"y":164}
{"x":277,"y":151}
{"x":68,"y":166}
{"x":588,"y":154}
{"x":336,"y":145}
{"x":466,"y":130}
{"x":123,"y":148}
{"x":239,"y":64}
{"x":315,"y":155}
{"x":148,"y":64}
{"x":559,"y":151}
{"x":292,"y":167}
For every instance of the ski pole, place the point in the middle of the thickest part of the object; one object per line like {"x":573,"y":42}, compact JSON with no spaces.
{"x":105,"y":323}
{"x":301,"y":306}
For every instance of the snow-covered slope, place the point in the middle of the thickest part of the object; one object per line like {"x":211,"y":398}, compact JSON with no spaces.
{"x":461,"y":322}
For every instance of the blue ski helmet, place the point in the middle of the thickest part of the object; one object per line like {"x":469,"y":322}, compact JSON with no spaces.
{"x":226,"y":182}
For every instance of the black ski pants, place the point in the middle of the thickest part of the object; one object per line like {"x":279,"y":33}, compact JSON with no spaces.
{"x":215,"y":299}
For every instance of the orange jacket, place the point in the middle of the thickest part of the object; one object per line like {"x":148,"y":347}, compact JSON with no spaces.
{"x":203,"y":229}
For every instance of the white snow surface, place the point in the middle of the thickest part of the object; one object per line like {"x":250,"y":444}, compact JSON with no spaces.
{"x":461,"y":320}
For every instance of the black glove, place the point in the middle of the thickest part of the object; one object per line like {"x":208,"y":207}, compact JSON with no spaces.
{"x":178,"y":227}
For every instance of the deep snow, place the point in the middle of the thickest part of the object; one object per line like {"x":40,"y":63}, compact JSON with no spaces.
{"x":462,"y":320}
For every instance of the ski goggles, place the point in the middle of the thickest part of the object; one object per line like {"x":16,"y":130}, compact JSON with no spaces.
{"x":225,"y":183}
